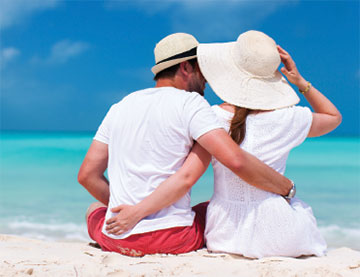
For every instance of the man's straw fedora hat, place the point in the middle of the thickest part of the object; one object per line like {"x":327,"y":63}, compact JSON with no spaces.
{"x":174,"y":49}
{"x":245,"y":72}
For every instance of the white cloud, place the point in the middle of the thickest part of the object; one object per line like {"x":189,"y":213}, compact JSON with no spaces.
{"x":7,"y":55}
{"x":217,"y":21}
{"x":16,"y":11}
{"x":63,"y":51}
{"x":209,"y":19}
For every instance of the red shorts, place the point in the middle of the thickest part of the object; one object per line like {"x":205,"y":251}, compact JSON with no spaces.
{"x":174,"y":240}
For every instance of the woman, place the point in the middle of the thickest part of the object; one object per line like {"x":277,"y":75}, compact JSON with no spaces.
{"x":260,"y":115}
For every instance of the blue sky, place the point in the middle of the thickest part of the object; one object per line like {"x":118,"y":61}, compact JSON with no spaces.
{"x":64,"y":63}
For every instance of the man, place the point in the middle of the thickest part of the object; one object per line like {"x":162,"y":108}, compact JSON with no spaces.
{"x":144,"y":139}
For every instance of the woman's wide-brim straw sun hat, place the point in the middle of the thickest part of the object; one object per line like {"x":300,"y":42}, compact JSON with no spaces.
{"x":174,"y":49}
{"x":245,"y":72}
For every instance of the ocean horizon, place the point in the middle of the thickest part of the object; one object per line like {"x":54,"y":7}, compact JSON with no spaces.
{"x":40,"y":197}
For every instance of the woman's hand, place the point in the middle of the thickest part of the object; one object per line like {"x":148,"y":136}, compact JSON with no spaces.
{"x":128,"y":216}
{"x":326,"y":117}
{"x":290,"y":70}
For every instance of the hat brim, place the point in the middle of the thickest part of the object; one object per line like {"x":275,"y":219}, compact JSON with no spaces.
{"x":161,"y":66}
{"x":237,"y":87}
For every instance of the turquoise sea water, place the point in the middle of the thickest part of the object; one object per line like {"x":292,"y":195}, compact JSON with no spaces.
{"x":40,"y":196}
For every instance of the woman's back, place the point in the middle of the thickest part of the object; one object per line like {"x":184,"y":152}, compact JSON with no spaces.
{"x":269,"y":136}
{"x":245,"y":220}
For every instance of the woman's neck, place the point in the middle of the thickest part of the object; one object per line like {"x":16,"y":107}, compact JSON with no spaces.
{"x":231,"y":108}
{"x":228,"y":107}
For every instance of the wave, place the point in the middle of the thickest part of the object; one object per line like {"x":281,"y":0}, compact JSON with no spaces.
{"x":47,"y":231}
{"x":338,"y":236}
{"x":335,"y":235}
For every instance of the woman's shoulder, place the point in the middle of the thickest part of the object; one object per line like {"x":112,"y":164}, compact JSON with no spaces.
{"x":294,"y":109}
{"x":222,"y":113}
{"x":284,"y":114}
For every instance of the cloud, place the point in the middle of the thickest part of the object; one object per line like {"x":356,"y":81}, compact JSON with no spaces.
{"x":217,"y":21}
{"x":7,"y":55}
{"x":16,"y":11}
{"x":63,"y":51}
{"x":209,"y":19}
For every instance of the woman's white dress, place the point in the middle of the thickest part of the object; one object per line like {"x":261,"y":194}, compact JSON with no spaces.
{"x":245,"y":220}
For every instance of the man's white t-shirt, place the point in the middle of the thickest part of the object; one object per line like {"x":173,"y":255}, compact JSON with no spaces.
{"x":149,"y":135}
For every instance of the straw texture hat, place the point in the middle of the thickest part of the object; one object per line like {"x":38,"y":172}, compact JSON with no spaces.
{"x":174,"y":49}
{"x":245,"y":73}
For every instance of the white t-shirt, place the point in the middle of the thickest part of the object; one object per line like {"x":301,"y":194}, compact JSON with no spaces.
{"x":149,"y":135}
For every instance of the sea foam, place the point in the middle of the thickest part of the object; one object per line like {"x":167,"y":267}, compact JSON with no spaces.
{"x":48,"y":231}
{"x":335,"y":236}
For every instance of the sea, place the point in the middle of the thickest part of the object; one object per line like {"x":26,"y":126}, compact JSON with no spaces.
{"x":41,"y":198}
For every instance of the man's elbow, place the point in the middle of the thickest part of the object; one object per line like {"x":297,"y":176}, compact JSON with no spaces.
{"x":188,"y":180}
{"x":83,"y":177}
{"x":237,"y":165}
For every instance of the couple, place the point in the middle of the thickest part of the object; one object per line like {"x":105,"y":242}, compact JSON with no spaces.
{"x":157,"y":142}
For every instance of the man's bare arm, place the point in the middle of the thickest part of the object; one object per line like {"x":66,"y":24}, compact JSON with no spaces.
{"x":219,"y":144}
{"x":91,"y":173}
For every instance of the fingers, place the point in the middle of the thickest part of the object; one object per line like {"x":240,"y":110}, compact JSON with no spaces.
{"x":110,"y":220}
{"x":111,"y":226}
{"x":285,"y":57}
{"x":115,"y":231}
{"x":115,"y":228}
{"x":117,"y":209}
{"x":281,"y":50}
{"x":284,"y":71}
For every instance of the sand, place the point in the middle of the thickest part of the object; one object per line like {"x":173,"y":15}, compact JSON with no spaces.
{"x":23,"y":257}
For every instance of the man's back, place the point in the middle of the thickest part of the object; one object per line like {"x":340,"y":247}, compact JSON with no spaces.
{"x":149,"y":134}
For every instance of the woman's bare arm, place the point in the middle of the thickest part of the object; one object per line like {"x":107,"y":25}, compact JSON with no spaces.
{"x":326,"y":116}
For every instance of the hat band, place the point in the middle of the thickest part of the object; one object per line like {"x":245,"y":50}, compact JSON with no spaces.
{"x":189,"y":53}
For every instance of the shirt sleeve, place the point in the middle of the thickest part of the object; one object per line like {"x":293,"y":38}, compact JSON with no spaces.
{"x":103,"y":132}
{"x":199,"y":116}
{"x":301,"y":120}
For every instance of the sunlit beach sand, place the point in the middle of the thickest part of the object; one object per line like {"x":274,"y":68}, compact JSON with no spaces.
{"x":23,"y":257}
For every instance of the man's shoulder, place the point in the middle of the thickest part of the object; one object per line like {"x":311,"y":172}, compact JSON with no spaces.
{"x":172,"y":95}
{"x":170,"y":92}
{"x":131,"y":97}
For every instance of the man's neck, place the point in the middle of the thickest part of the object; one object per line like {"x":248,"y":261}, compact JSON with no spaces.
{"x":166,"y":82}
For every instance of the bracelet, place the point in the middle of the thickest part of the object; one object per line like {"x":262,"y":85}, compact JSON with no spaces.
{"x":306,"y":89}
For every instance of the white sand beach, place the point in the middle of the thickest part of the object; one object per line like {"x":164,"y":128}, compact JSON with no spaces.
{"x":23,"y":257}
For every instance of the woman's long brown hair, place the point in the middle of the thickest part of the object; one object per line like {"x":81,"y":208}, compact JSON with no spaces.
{"x":238,"y":124}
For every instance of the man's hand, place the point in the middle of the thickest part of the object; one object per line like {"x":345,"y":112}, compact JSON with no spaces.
{"x":128,"y":216}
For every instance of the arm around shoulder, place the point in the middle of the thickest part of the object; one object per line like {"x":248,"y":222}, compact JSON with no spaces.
{"x":253,"y":171}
